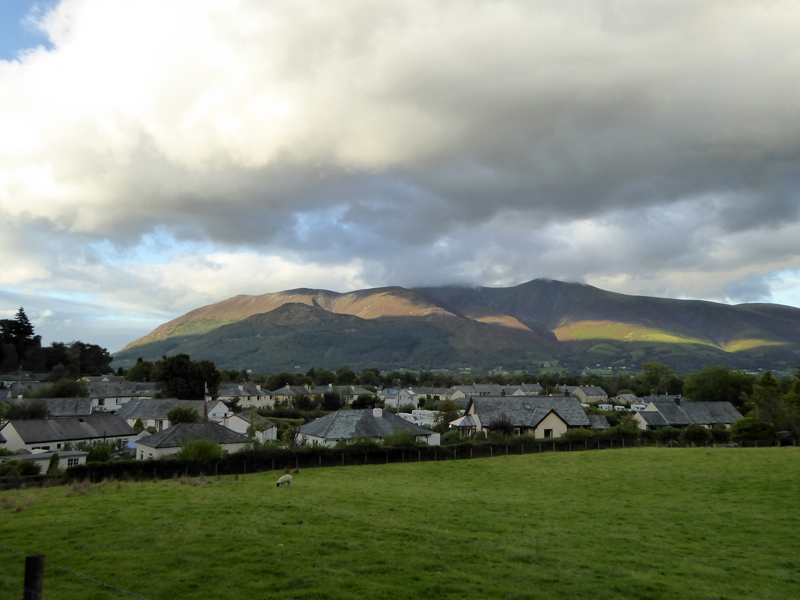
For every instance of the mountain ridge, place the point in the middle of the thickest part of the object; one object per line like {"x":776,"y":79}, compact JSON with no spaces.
{"x":546,"y":319}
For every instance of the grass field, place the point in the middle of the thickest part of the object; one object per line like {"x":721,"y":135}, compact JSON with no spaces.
{"x":636,"y":523}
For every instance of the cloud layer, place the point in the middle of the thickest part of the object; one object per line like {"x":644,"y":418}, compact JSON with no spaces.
{"x":161,"y":156}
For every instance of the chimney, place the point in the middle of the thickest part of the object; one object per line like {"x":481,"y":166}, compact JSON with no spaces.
{"x":241,"y":387}
{"x":678,"y":400}
{"x":377,"y":412}
{"x":205,"y":412}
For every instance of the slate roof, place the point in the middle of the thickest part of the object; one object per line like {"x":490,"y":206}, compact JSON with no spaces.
{"x":68,"y":407}
{"x":232,"y":390}
{"x":598,"y":422}
{"x":65,"y":407}
{"x":711,"y":413}
{"x":672,"y":412}
{"x":182,"y":433}
{"x":592,"y":390}
{"x":2,"y":439}
{"x":156,"y":408}
{"x":245,"y":416}
{"x":531,"y":388}
{"x":293,"y":390}
{"x":465,"y":421}
{"x":627,"y":398}
{"x":349,"y":424}
{"x":96,"y":425}
{"x":524,"y":410}
{"x":653,"y":418}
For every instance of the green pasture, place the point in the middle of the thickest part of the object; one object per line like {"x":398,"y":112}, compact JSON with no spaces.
{"x":636,"y":523}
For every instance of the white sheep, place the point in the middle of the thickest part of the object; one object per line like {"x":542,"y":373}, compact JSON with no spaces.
{"x":285,"y":480}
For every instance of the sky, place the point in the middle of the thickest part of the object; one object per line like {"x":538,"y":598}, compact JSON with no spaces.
{"x":160,"y":156}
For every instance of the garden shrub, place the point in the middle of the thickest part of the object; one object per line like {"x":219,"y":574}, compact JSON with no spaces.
{"x":452,"y":437}
{"x":204,"y":449}
{"x":695,"y":434}
{"x":401,"y":438}
{"x":578,"y":435}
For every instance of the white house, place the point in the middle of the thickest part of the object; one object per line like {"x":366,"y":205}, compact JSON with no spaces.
{"x":372,"y":423}
{"x":66,"y":459}
{"x":153,"y":412}
{"x":171,"y":440}
{"x":241,"y":422}
{"x":54,"y":434}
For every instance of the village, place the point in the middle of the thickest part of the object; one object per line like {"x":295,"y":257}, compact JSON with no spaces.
{"x":134,"y":423}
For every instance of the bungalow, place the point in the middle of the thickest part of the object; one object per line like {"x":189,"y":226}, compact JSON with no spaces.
{"x":590,"y":394}
{"x":541,"y":416}
{"x":66,"y":459}
{"x":675,"y":413}
{"x":171,"y":440}
{"x":54,"y":434}
{"x":240,"y":423}
{"x":153,"y":413}
{"x":374,"y":423}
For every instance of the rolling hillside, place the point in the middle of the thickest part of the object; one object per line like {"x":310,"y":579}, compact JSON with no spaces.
{"x":450,"y":327}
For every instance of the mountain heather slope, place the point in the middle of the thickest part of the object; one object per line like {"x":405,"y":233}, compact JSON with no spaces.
{"x":450,"y":327}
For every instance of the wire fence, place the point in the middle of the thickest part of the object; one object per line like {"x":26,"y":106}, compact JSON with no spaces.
{"x":18,"y":583}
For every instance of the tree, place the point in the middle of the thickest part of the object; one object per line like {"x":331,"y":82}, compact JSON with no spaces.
{"x":323,"y":377}
{"x":65,"y":388}
{"x":282,"y":379}
{"x":99,"y":453}
{"x":345,"y":376}
{"x":400,"y":438}
{"x":138,"y":425}
{"x":141,"y":371}
{"x":750,"y":429}
{"x":28,"y":409}
{"x":302,"y":402}
{"x":370,"y":376}
{"x":717,"y":384}
{"x":503,"y":424}
{"x":180,"y":377}
{"x":204,"y":449}
{"x":448,"y":411}
{"x":696,"y":434}
{"x":364,"y":401}
{"x":182,"y":414}
{"x":52,"y":466}
{"x":657,"y":376}
{"x":331,"y":401}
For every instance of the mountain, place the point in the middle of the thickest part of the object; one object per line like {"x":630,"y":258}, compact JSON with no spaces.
{"x":542,"y":321}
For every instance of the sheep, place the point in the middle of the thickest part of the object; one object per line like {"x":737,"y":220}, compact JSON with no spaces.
{"x":285,"y":480}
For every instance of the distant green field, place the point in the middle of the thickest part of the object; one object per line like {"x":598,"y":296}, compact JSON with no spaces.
{"x":636,"y":523}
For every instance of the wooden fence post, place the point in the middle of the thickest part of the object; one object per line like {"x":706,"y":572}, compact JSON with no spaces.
{"x":34,"y":577}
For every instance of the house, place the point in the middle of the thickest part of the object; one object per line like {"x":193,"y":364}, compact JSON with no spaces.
{"x":286,"y":394}
{"x":54,"y":434}
{"x":395,"y":398}
{"x":590,"y":394}
{"x":66,"y":459}
{"x":677,"y":413}
{"x":172,"y":439}
{"x":598,"y":422}
{"x":241,"y":422}
{"x":60,"y":407}
{"x":247,"y":394}
{"x":109,"y":393}
{"x":153,"y":412}
{"x":374,"y":423}
{"x":626,"y":398}
{"x":423,"y":418}
{"x":541,"y":416}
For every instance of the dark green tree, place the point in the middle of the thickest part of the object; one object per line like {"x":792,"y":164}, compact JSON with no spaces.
{"x":180,"y":377}
{"x":345,"y":376}
{"x":716,"y":384}
{"x":331,"y":401}
{"x":141,"y":371}
{"x":27,"y":409}
{"x":65,"y":388}
{"x":182,"y":414}
{"x":750,"y":429}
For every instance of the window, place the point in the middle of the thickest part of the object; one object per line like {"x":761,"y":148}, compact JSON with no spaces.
{"x":58,"y":446}
{"x":101,"y":402}
{"x":548,"y":433}
{"x":73,"y":462}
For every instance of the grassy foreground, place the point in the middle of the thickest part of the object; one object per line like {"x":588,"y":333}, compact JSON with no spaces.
{"x":636,"y":523}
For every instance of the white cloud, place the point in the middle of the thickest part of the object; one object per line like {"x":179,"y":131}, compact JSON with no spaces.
{"x":650,"y":146}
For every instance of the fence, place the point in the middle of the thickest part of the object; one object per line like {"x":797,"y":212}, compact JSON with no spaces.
{"x":31,"y":586}
{"x":254,"y":461}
